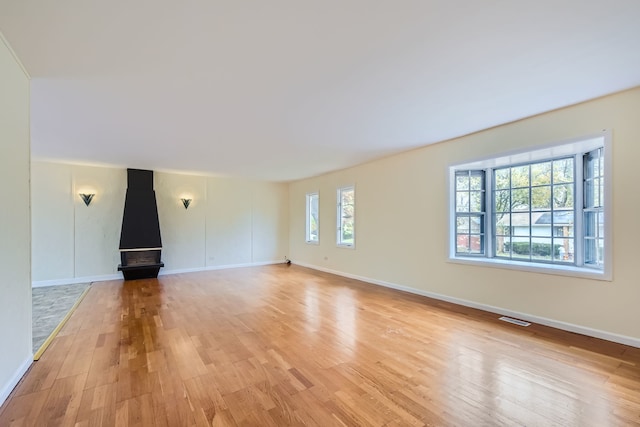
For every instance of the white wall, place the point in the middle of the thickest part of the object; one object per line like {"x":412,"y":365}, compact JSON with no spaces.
{"x":402,"y":224}
{"x":230,"y":222}
{"x":183,"y":230}
{"x":15,"y":234}
{"x":69,"y":239}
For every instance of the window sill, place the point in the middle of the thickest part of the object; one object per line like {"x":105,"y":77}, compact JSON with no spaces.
{"x":559,"y":270}
{"x":312,"y":242}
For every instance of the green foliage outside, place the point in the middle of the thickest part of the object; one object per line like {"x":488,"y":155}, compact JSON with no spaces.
{"x":348,"y":210}
{"x":512,"y":186}
{"x":542,"y":250}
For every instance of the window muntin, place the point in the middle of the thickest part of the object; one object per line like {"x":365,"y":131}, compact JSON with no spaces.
{"x":312,"y":234}
{"x":544,"y":210}
{"x":346,"y":216}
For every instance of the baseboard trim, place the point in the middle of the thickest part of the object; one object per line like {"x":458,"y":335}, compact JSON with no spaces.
{"x":565,"y":326}
{"x":75,"y":280}
{"x":15,"y":379}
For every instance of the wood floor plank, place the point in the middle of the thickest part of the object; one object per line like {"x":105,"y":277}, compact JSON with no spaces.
{"x":279,"y":345}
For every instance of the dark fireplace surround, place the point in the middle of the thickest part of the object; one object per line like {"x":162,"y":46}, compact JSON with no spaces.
{"x":140,"y":241}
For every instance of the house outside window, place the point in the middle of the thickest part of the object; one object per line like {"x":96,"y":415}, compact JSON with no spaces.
{"x":346,"y":217}
{"x":541,"y":210}
{"x":312,"y":234}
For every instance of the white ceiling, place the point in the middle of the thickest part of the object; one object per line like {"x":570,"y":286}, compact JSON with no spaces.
{"x":286,"y":89}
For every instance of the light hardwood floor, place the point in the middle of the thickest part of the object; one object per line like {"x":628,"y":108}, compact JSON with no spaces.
{"x":278,"y":345}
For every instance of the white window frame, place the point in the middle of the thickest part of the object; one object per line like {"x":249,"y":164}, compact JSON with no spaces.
{"x":309,"y":199}
{"x":339,"y":242}
{"x":575,"y":147}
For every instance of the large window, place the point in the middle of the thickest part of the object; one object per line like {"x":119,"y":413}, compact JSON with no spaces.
{"x":346,"y":216}
{"x":313,"y":219}
{"x":541,"y":209}
{"x":533,"y":211}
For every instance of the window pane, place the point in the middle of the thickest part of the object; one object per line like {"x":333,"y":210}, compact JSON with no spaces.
{"x":541,"y":249}
{"x":593,"y":251}
{"x":589,"y":165}
{"x":520,"y":176}
{"x":462,"y":243}
{"x":462,"y":201}
{"x":476,"y":224}
{"x":601,"y":192}
{"x":563,"y":196}
{"x":563,"y":171}
{"x":475,"y":244}
{"x":596,"y":192}
{"x":502,"y":201}
{"x":600,"y":224}
{"x":541,"y":173}
{"x":590,"y":221}
{"x":476,"y":201}
{"x":501,"y":179}
{"x":520,"y":199}
{"x":503,"y":246}
{"x":541,"y":230}
{"x":462,"y":181}
{"x":520,"y":224}
{"x":476,"y":181}
{"x":600,"y":244}
{"x":541,"y":198}
{"x":346,"y":212}
{"x":520,"y":248}
{"x":312,"y":217}
{"x":601,"y":164}
{"x":462,"y":224}
{"x":563,"y":230}
{"x":502,"y":224}
{"x":347,"y":230}
{"x":563,"y":250}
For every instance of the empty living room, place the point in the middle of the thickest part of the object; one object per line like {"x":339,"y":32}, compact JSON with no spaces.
{"x":319,"y":213}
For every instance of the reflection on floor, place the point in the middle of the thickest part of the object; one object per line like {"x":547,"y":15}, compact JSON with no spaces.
{"x":50,"y":305}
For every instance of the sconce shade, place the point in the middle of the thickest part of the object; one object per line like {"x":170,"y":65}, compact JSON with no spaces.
{"x":186,"y":203}
{"x":87,"y":198}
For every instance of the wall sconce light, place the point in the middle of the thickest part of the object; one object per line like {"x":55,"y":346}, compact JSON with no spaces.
{"x":186,"y":203}
{"x":87,"y":198}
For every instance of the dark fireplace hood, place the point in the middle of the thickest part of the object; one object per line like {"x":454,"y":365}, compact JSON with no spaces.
{"x":140,"y":242}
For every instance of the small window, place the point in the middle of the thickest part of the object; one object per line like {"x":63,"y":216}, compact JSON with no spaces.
{"x":539,"y":210}
{"x":346,"y":216}
{"x":313,"y":219}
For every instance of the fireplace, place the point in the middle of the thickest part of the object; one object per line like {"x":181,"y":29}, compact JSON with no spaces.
{"x":140,"y":241}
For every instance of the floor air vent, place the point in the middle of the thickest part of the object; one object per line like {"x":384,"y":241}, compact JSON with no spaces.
{"x":515,"y":321}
